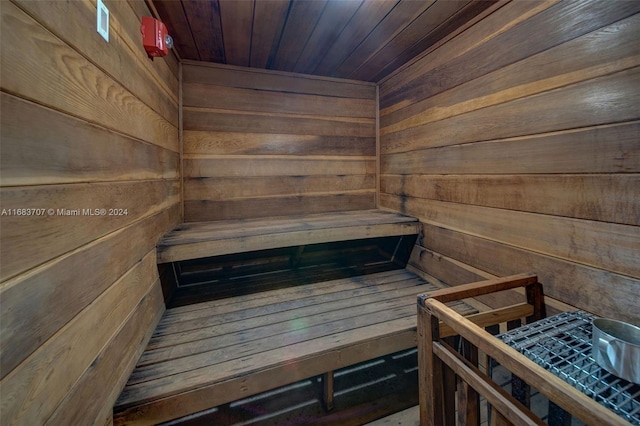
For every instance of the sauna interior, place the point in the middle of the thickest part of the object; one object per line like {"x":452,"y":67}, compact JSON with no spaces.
{"x":237,"y":232}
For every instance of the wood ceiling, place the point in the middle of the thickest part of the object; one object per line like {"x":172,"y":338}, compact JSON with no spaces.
{"x":356,"y":39}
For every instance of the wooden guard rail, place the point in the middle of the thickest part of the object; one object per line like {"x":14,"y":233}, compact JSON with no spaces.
{"x":440,"y":363}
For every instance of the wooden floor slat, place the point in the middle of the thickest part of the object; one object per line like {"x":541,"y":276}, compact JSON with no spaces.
{"x":222,"y":349}
{"x":204,"y":239}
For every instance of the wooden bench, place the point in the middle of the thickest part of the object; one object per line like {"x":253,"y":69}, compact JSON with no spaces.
{"x":212,"y":353}
{"x":204,"y":239}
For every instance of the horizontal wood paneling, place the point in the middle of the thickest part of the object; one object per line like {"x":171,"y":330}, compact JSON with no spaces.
{"x":516,"y":144}
{"x":565,"y":64}
{"x":229,"y":188}
{"x":85,"y":125}
{"x":509,"y":35}
{"x":261,"y":122}
{"x":603,"y":245}
{"x":204,"y":166}
{"x":124,"y":61}
{"x":229,"y":143}
{"x":599,"y":149}
{"x":603,"y":100}
{"x":44,"y":146}
{"x":601,"y":197}
{"x":54,"y":232}
{"x":69,"y":82}
{"x":93,"y":326}
{"x":596,"y":290}
{"x":210,"y":96}
{"x":99,"y":376}
{"x":244,"y":208}
{"x":249,"y":78}
{"x":259,"y":144}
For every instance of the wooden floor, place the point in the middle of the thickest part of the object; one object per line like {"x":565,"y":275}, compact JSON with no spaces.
{"x":204,"y":239}
{"x":211,"y":353}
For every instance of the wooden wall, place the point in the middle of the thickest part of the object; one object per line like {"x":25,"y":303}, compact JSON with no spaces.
{"x":517,"y":144}
{"x":85,"y":125}
{"x":263,"y":143}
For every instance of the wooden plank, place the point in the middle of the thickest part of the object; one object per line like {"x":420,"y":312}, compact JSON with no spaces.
{"x":280,"y":224}
{"x":220,"y":97}
{"x":494,"y":23}
{"x":237,"y":20}
{"x":260,"y":339}
{"x":386,"y":30}
{"x":229,"y":166}
{"x":499,"y":42}
{"x":186,"y":335}
{"x":363,"y":22}
{"x":266,"y":32}
{"x":256,"y":122}
{"x":85,"y":272}
{"x":225,"y":75}
{"x":601,"y":197}
{"x":203,"y":20}
{"x":370,"y":342}
{"x":197,"y":334}
{"x":229,"y":188}
{"x":396,"y":52}
{"x":334,"y":19}
{"x":73,"y":215}
{"x":62,"y":71}
{"x":615,"y":100}
{"x":40,"y":145}
{"x":478,"y":288}
{"x":108,"y":371}
{"x":35,"y":398}
{"x":218,"y":143}
{"x":369,"y":283}
{"x":259,"y":242}
{"x":453,"y":273}
{"x":595,"y":290}
{"x":593,"y":149}
{"x":603,"y":245}
{"x":250,"y":364}
{"x":455,"y":25}
{"x":124,"y":61}
{"x":262,"y":207}
{"x":301,"y":21}
{"x":265,"y":297}
{"x":568,"y":63}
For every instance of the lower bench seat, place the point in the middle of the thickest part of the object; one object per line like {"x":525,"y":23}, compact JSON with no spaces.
{"x":204,"y":239}
{"x":207,"y":354}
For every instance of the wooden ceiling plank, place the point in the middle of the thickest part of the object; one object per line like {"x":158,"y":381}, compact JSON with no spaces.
{"x":403,"y":14}
{"x":302,"y":19}
{"x":361,"y":25}
{"x":454,"y":25}
{"x":268,"y":24}
{"x":237,"y":21}
{"x":173,"y":16}
{"x":204,"y":19}
{"x":336,"y":16}
{"x":397,"y":51}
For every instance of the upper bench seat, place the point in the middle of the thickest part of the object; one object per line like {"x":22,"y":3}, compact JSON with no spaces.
{"x":204,"y":239}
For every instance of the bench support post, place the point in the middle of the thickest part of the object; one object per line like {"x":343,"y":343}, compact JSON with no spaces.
{"x":327,"y":390}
